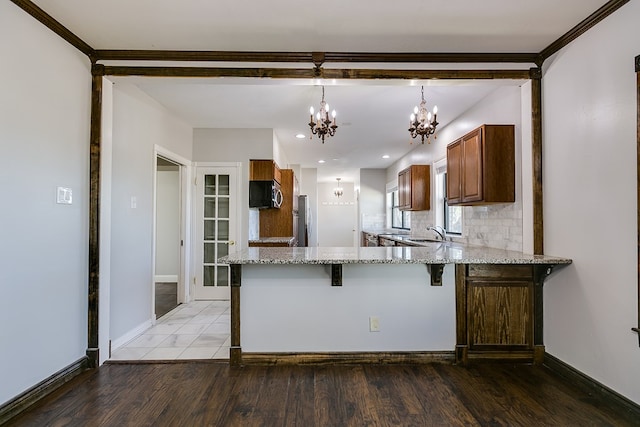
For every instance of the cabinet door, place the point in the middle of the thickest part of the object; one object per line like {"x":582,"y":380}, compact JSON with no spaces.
{"x":454,"y":172}
{"x":404,"y":188}
{"x":472,"y":167}
{"x":499,"y":315}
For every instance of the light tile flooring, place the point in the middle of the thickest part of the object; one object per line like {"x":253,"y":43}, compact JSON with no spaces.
{"x":197,"y":330}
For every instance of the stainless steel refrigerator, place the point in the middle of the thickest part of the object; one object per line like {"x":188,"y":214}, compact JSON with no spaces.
{"x":304,"y":221}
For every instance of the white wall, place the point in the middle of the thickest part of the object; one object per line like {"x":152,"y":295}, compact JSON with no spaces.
{"x":499,"y":225}
{"x":234,"y":145}
{"x":337,"y":216}
{"x":44,"y":143}
{"x":310,"y":315}
{"x":589,"y":154}
{"x":167,"y":224}
{"x":138,"y":123}
{"x":372,"y":199}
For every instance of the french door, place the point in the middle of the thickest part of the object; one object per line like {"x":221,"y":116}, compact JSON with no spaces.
{"x":215,"y":230}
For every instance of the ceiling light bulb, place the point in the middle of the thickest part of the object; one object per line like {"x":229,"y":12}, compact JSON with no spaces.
{"x":386,"y":156}
{"x":300,"y":136}
{"x":326,"y":107}
{"x":415,"y":110}
{"x":412,"y":117}
{"x":435,"y":109}
{"x":311,"y":110}
{"x":333,"y":114}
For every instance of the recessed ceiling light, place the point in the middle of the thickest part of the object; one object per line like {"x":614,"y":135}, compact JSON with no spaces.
{"x":320,"y":161}
{"x":301,"y":135}
{"x":386,"y":156}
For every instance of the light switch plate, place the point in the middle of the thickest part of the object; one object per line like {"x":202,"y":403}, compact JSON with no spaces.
{"x":64,"y":196}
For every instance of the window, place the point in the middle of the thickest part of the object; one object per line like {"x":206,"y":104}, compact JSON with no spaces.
{"x":452,"y":214}
{"x":399,"y":219}
{"x":447,"y":217}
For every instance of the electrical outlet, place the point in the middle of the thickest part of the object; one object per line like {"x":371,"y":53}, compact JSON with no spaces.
{"x":374,"y":324}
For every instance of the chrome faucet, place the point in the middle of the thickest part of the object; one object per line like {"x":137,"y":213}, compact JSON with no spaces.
{"x":439,"y":231}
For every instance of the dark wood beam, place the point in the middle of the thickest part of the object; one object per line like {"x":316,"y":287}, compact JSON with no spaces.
{"x":54,"y":26}
{"x":308,"y":57}
{"x":95,"y":144}
{"x":637,"y":64}
{"x":536,"y":155}
{"x":311,"y":73}
{"x":597,"y":16}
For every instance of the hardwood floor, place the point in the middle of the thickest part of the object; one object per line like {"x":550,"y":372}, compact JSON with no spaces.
{"x":213,"y":394}
{"x":166,"y":298}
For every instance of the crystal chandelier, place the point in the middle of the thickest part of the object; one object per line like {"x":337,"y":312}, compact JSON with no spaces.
{"x":321,"y":125}
{"x":422,"y":122}
{"x":338,"y":191}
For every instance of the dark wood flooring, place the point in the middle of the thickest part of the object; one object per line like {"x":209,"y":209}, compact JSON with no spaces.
{"x":213,"y":394}
{"x":166,"y":298}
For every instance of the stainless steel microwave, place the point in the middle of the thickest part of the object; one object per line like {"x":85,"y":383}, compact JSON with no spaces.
{"x":264,"y":194}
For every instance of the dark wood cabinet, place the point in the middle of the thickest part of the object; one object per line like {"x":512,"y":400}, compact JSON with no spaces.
{"x":481,"y":167}
{"x":280,"y":222}
{"x":495,"y":312}
{"x":264,"y":170}
{"x":383,"y":241}
{"x":414,"y":188}
{"x":454,"y":172}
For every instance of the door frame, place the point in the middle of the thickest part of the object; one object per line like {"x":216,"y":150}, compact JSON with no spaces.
{"x":240,"y":196}
{"x":185,"y":171}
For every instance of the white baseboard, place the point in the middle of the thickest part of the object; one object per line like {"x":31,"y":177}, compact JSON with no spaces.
{"x":170,"y":278}
{"x":117,"y":343}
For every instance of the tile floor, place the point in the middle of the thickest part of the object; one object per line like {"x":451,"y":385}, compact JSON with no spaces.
{"x":197,"y":330}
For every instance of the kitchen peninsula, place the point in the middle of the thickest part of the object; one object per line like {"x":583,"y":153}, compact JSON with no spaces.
{"x":439,"y":300}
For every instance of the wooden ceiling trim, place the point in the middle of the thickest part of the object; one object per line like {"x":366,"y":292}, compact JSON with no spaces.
{"x":637,"y":66}
{"x":54,"y":26}
{"x":292,"y":73}
{"x":597,"y":16}
{"x":308,"y":57}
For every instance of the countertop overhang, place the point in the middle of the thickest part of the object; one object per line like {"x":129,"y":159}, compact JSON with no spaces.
{"x":429,"y":253}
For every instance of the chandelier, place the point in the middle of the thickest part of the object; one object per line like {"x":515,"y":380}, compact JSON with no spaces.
{"x":321,"y":125}
{"x":338,"y":191}
{"x":422,"y":122}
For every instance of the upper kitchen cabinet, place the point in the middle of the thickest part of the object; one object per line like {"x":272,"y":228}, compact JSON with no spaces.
{"x":481,"y":167}
{"x":282,"y":222}
{"x":264,"y":170}
{"x":414,"y":188}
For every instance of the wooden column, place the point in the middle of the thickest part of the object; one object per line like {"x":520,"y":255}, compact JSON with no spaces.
{"x":93,"y":351}
{"x":462,"y":344}
{"x":637,"y":63}
{"x":536,"y":155}
{"x":235,"y":352}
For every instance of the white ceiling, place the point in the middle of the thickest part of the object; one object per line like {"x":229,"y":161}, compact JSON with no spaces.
{"x":372,"y":116}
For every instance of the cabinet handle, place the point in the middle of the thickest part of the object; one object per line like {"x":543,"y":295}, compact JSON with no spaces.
{"x":232,"y":242}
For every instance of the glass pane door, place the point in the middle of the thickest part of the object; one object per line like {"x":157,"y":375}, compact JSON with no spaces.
{"x":216,"y":224}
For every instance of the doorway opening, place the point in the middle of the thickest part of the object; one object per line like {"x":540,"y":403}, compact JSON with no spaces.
{"x":167,"y":236}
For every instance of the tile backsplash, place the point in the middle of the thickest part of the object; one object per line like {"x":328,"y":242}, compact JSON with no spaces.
{"x":495,"y":226}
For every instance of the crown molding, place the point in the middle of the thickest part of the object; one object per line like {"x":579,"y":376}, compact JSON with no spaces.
{"x":54,"y":26}
{"x":597,"y":16}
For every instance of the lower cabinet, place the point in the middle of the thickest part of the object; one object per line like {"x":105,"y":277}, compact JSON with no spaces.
{"x":496,"y":312}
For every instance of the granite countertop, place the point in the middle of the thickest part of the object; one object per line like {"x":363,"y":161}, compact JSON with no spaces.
{"x":286,"y":239}
{"x":427,"y":253}
{"x":387,"y":231}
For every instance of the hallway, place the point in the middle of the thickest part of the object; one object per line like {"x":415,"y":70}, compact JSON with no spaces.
{"x":197,"y":330}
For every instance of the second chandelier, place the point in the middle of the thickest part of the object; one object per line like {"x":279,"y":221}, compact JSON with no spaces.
{"x":321,"y":124}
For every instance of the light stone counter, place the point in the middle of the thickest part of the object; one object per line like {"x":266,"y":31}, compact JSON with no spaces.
{"x":428,"y":253}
